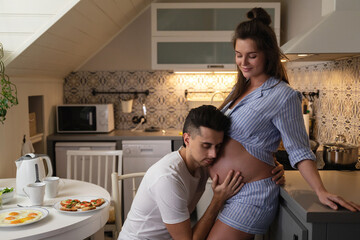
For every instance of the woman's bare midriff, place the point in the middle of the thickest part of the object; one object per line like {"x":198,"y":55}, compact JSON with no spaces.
{"x":234,"y":156}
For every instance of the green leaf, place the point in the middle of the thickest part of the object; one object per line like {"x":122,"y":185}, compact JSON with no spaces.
{"x":8,"y":90}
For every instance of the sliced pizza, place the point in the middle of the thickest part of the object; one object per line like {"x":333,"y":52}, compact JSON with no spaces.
{"x":69,"y":201}
{"x":98,"y":202}
{"x":84,"y":204}
{"x":70,"y":207}
{"x":89,"y":207}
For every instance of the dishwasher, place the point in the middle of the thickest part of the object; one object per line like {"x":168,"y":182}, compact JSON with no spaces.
{"x":138,"y":156}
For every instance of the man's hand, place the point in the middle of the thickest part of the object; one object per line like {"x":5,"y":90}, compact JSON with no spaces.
{"x":279,"y":173}
{"x":333,"y":201}
{"x":231,"y":186}
{"x":222,"y":192}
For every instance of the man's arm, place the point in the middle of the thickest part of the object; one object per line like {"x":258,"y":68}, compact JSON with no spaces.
{"x":228,"y":188}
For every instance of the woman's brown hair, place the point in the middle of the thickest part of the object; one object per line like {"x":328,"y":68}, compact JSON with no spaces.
{"x":258,"y":29}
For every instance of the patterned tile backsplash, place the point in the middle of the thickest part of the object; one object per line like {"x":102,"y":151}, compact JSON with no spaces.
{"x":166,"y":105}
{"x":336,"y":110}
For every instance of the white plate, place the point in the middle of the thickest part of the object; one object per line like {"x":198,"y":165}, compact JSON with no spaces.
{"x":44,"y":212}
{"x":57,"y":205}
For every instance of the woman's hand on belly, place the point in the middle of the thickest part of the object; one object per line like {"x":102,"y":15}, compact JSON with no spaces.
{"x":228,"y":188}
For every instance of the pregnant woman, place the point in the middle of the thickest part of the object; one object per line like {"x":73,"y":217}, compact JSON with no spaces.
{"x":263,"y":109}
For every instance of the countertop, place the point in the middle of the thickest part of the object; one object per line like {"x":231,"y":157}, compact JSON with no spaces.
{"x":301,"y":199}
{"x":118,"y":135}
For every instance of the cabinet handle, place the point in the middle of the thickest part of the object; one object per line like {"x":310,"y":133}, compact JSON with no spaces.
{"x":215,"y":66}
{"x":295,"y":237}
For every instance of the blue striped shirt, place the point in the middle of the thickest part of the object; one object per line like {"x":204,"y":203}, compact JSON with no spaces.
{"x":265,"y":116}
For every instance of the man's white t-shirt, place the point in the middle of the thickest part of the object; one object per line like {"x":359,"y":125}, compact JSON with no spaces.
{"x":167,"y":194}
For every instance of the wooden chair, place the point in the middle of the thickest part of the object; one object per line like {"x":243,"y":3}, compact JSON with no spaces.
{"x":117,"y":194}
{"x":96,"y":166}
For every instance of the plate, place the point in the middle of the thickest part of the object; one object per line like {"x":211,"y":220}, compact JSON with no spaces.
{"x":57,"y":205}
{"x":44,"y":212}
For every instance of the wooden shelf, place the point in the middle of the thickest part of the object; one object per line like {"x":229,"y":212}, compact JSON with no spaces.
{"x":37,"y":138}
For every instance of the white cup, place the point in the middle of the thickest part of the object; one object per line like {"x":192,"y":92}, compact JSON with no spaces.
{"x":52,"y":186}
{"x":36,"y":192}
{"x":126,"y":105}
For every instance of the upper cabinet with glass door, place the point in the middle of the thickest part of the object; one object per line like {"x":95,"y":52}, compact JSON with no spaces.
{"x":197,"y":36}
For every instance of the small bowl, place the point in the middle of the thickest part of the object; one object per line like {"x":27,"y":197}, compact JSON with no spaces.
{"x":6,"y":197}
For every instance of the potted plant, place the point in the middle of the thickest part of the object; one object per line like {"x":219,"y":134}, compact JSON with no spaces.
{"x":8,"y":91}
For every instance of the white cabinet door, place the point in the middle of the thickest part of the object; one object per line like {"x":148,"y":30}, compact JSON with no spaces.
{"x":193,"y":53}
{"x":197,"y":36}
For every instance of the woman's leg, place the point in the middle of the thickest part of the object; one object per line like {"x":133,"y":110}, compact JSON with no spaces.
{"x":222,"y":231}
{"x":247,"y":213}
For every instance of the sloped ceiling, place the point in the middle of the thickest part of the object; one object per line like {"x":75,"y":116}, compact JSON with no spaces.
{"x":80,"y":33}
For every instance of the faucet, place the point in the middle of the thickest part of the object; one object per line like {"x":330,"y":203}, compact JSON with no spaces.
{"x":215,"y":93}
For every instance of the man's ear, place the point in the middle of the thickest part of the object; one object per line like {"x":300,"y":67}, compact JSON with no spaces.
{"x":186,"y":137}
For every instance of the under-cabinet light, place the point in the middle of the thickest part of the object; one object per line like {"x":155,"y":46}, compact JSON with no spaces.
{"x":192,"y":72}
{"x":228,"y":72}
{"x":214,"y":72}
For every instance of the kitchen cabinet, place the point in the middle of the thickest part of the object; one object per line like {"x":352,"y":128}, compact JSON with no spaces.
{"x":197,"y":36}
{"x":287,"y":226}
{"x":301,"y":216}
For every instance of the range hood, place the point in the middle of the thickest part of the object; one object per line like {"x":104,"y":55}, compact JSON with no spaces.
{"x":336,"y":36}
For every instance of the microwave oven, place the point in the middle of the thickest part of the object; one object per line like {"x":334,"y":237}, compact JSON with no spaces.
{"x":85,"y":118}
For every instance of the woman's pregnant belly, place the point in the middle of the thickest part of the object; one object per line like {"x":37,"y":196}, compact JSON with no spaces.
{"x":234,"y":156}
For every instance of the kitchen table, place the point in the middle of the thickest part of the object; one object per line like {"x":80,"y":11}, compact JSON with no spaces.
{"x":60,"y":225}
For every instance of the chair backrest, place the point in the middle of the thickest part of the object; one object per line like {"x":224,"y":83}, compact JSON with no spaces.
{"x":94,"y":166}
{"x":117,"y":193}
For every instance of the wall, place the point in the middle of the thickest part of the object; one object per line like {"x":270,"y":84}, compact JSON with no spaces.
{"x":337,"y":110}
{"x":130,"y":50}
{"x":17,"y":121}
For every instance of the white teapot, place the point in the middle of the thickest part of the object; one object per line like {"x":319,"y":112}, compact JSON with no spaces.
{"x":30,"y":168}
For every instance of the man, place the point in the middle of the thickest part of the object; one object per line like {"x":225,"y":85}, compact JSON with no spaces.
{"x":172,"y":187}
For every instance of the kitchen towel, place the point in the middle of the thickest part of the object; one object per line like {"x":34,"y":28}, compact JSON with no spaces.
{"x":26,"y":147}
{"x":307,"y":122}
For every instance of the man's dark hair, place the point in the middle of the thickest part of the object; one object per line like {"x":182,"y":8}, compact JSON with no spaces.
{"x":206,"y":116}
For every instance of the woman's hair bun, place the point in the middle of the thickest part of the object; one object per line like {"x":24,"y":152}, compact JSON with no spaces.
{"x":259,"y":14}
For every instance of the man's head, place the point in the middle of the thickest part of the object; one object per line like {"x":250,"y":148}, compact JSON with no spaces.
{"x":206,"y":116}
{"x":203,"y":135}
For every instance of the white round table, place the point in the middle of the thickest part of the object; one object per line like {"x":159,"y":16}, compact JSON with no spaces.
{"x":59,"y":225}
